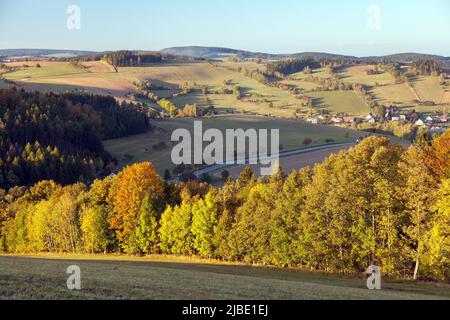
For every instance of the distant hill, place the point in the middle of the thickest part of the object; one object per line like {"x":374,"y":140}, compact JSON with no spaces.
{"x":409,"y":57}
{"x":40,"y":52}
{"x":217,"y":53}
{"x":205,"y":52}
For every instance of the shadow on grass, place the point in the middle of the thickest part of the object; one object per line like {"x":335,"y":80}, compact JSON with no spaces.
{"x":217,"y":267}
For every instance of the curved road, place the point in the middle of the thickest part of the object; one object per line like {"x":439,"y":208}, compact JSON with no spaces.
{"x":322,"y":150}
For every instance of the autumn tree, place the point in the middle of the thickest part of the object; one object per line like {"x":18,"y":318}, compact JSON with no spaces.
{"x":204,"y":223}
{"x":437,"y":156}
{"x":147,"y":228}
{"x":417,"y":188}
{"x":128,"y":190}
{"x":175,"y":231}
{"x":437,"y":255}
{"x":250,"y":235}
{"x":227,"y":202}
{"x":285,"y":218}
{"x":94,"y":228}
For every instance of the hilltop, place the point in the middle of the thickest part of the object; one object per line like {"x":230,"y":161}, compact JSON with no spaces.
{"x":218,"y":53}
{"x":203,"y":52}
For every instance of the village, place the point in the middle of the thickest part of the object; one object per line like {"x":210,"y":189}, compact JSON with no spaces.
{"x":435,"y":122}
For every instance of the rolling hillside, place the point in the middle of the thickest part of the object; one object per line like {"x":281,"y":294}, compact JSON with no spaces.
{"x":211,"y":83}
{"x":218,"y":53}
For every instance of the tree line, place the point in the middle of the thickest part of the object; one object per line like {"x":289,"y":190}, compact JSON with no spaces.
{"x":59,"y":136}
{"x":126,"y":58}
{"x":131,"y":59}
{"x":294,"y":65}
{"x":426,"y":67}
{"x":376,"y":203}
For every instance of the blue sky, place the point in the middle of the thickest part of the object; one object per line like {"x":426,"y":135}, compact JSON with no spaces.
{"x":283,"y":26}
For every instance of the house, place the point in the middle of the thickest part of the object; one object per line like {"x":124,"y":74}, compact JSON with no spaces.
{"x":420,"y":123}
{"x":313,"y":120}
{"x":443,"y":118}
{"x":349,"y":119}
{"x":336,"y":120}
{"x":371,"y":119}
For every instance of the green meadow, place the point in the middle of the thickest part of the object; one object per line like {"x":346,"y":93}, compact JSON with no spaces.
{"x":120,"y":277}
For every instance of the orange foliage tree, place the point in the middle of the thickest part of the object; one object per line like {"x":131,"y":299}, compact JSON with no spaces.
{"x":128,"y":190}
{"x":438,"y":156}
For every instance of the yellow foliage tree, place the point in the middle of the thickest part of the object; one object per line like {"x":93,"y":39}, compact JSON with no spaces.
{"x":437,"y":258}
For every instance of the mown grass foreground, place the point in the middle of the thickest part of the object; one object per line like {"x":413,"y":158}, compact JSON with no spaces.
{"x":118,"y":277}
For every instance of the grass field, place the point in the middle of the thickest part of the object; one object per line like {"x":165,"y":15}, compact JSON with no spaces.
{"x":292,"y":135}
{"x":397,"y":93}
{"x":357,"y":74}
{"x":340,"y":101}
{"x":47,"y":70}
{"x":115,"y":277}
{"x":288,"y":164}
{"x":429,"y":89}
{"x":301,"y":84}
{"x":100,"y":77}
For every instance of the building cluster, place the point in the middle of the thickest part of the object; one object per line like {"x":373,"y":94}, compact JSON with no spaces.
{"x":432,"y":121}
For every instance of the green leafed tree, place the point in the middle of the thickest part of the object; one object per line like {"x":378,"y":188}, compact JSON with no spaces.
{"x":175,"y":231}
{"x":204,"y":223}
{"x":94,"y":227}
{"x":147,"y":228}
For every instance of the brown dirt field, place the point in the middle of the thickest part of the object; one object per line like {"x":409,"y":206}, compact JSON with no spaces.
{"x":98,"y":66}
{"x":289,"y":164}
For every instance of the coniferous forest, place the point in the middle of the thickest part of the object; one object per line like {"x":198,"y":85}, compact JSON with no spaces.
{"x":58,"y":136}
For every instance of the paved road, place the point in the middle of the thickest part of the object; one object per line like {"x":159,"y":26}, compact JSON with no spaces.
{"x":284,"y":154}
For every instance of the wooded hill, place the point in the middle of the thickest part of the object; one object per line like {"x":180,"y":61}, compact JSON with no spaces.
{"x":217,"y":53}
{"x":51,"y":136}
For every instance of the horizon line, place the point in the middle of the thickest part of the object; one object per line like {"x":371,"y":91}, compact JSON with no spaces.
{"x":230,"y":48}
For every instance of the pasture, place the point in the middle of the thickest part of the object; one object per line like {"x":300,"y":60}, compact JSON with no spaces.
{"x":394,"y":94}
{"x":429,"y":89}
{"x":160,"y":277}
{"x":340,"y":102}
{"x":46,"y":70}
{"x":100,"y":77}
{"x":292,"y":135}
